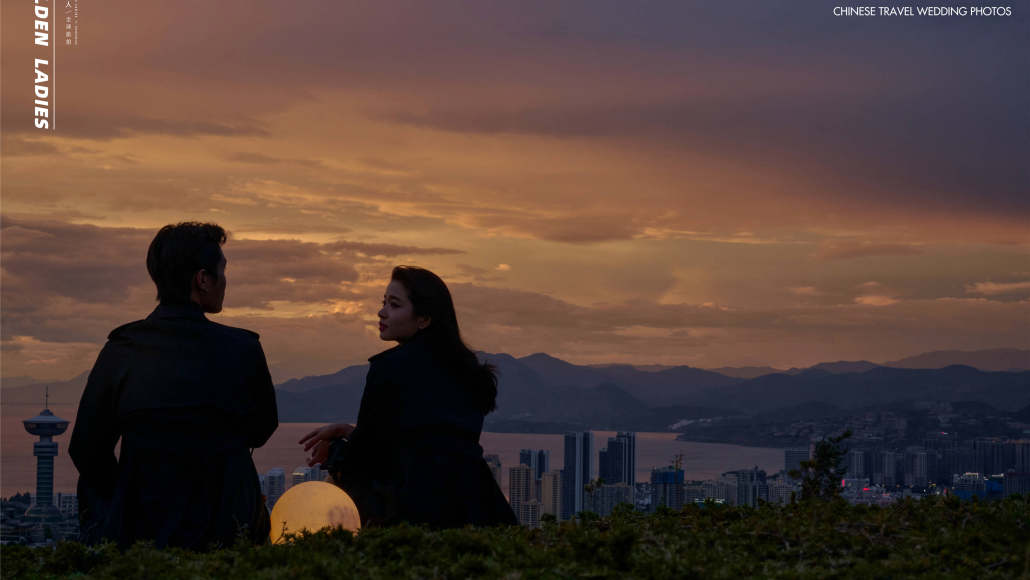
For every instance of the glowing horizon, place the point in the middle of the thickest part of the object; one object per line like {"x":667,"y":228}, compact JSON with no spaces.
{"x":693,"y":185}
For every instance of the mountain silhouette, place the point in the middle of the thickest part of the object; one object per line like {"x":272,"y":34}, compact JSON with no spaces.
{"x":878,"y":386}
{"x":348,"y":375}
{"x":745,"y":372}
{"x":540,"y":392}
{"x":62,"y":393}
{"x":998,"y":359}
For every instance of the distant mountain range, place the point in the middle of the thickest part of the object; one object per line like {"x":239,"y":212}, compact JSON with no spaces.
{"x":62,"y":393}
{"x":998,"y":359}
{"x":878,"y":386}
{"x":541,"y":393}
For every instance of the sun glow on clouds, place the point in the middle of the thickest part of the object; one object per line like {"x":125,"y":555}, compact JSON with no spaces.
{"x":660,"y":233}
{"x":874,"y":300}
{"x":805,"y":291}
{"x":541,"y":185}
{"x":289,"y":309}
{"x":644,"y":332}
{"x":995,"y":288}
{"x":45,"y":360}
{"x":874,"y":294}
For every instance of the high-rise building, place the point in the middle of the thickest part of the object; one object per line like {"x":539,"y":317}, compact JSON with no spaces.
{"x":959,"y":459}
{"x":494,"y":463}
{"x":551,"y":493}
{"x":941,"y":451}
{"x":693,"y":491}
{"x":751,"y":486}
{"x":1016,"y":483}
{"x":606,"y":471}
{"x":667,"y":488}
{"x":856,"y":463}
{"x":725,"y":489}
{"x":990,"y":455}
{"x":629,"y":458}
{"x":792,"y":458}
{"x":602,"y":499}
{"x":68,"y":503}
{"x":578,"y":449}
{"x":538,"y":461}
{"x":718,"y":490}
{"x":780,"y":491}
{"x":617,"y":463}
{"x":916,"y":467}
{"x":275,"y":480}
{"x":519,"y":484}
{"x":940,"y":441}
{"x":303,"y":473}
{"x":1021,"y":455}
{"x":526,"y":457}
{"x":529,"y":513}
{"x":890,"y":471}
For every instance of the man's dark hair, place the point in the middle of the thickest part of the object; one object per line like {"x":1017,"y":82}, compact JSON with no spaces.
{"x":176,"y":254}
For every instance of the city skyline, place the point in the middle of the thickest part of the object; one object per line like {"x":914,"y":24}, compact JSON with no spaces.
{"x":683,"y":184}
{"x":875,"y":473}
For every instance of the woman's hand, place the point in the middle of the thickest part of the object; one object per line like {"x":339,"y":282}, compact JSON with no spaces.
{"x":317,"y":441}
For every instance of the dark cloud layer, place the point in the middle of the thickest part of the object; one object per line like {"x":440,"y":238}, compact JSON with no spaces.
{"x":93,"y":127}
{"x":260,"y":159}
{"x":67,"y":282}
{"x":87,"y":263}
{"x":14,"y":147}
{"x":522,"y":323}
{"x":912,"y":112}
{"x":65,"y":286}
{"x":388,"y":250}
{"x":878,"y":148}
{"x":844,"y":251}
{"x":844,"y":154}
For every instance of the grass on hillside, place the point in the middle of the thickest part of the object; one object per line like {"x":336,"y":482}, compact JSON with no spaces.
{"x":931,"y":538}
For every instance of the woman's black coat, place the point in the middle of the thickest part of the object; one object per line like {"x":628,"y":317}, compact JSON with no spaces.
{"x":414,"y":454}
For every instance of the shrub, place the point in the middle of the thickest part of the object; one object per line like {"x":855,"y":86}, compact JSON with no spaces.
{"x":930,"y":538}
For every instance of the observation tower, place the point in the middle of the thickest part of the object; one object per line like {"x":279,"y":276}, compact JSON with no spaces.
{"x":46,"y":425}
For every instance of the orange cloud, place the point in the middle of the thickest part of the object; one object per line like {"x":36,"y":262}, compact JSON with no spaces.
{"x":997,"y":288}
{"x":850,"y":250}
{"x":874,"y":300}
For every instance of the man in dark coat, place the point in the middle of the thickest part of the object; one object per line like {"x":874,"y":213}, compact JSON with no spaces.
{"x":189,"y":399}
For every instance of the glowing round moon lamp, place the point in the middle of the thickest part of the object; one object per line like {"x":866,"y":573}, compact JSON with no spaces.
{"x":311,"y":506}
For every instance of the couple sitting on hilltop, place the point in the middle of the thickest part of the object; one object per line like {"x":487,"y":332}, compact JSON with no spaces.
{"x":190,"y":399}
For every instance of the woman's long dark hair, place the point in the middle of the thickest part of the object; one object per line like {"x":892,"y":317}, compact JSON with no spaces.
{"x":430,"y":297}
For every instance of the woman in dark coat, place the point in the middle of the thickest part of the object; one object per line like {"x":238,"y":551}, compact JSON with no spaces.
{"x":414,"y":454}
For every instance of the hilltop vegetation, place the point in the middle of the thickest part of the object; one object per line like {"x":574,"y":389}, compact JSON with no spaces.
{"x":932,"y":538}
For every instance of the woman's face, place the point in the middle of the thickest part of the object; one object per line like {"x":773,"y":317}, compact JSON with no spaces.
{"x":397,"y":320}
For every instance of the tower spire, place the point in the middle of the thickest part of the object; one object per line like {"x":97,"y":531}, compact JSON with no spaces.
{"x":46,"y":426}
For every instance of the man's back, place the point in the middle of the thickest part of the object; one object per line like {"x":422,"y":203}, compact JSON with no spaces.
{"x":188,"y":398}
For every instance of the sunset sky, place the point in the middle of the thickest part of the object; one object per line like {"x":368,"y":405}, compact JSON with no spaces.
{"x":720,"y":183}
